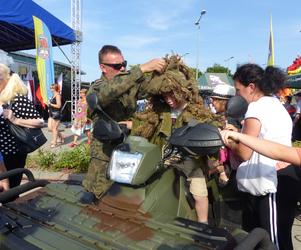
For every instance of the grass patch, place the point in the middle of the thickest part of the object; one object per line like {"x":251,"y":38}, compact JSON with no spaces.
{"x":76,"y":159}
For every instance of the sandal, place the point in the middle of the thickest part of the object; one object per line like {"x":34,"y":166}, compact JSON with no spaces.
{"x":73,"y":144}
{"x":61,"y":141}
{"x":53,"y":145}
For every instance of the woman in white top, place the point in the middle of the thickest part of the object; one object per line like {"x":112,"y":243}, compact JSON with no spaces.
{"x":265,"y":118}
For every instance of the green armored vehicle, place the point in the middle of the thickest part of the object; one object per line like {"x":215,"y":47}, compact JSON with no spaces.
{"x":147,"y":207}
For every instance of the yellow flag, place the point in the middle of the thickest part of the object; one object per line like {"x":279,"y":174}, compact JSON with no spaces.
{"x":271,"y":46}
{"x":44,"y":58}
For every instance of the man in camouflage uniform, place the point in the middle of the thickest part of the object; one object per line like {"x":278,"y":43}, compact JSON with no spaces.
{"x":117,"y":92}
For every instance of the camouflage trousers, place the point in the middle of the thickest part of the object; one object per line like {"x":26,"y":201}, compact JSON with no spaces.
{"x":95,"y":180}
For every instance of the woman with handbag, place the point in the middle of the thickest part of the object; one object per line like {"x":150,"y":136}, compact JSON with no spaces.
{"x":256,"y":176}
{"x":54,"y":109}
{"x":18,"y":110}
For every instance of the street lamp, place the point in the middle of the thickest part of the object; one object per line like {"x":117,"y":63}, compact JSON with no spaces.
{"x":197,"y":23}
{"x":228,"y":59}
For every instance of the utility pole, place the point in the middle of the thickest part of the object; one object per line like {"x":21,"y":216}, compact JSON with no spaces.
{"x":197,"y":23}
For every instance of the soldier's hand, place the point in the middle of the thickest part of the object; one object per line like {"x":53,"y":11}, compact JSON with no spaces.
{"x":4,"y":185}
{"x":153,"y":65}
{"x":129,"y":124}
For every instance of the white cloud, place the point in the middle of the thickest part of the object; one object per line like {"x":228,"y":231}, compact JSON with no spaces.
{"x":164,"y":14}
{"x":159,"y":22}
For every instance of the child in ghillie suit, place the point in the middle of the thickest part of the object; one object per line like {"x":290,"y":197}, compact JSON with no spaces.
{"x":174,"y":102}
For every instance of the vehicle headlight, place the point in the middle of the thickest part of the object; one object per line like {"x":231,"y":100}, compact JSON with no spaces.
{"x":123,"y":166}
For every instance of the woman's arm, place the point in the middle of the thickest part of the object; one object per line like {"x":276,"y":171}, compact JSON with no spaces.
{"x":251,"y":127}
{"x":29,"y":123}
{"x":267,"y":148}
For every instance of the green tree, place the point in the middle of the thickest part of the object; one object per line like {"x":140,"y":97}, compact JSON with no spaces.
{"x":193,"y":70}
{"x":217,"y":68}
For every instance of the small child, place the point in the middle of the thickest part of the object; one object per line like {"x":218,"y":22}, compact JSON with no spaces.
{"x":82,"y":124}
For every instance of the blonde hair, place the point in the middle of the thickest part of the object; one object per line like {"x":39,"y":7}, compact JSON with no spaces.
{"x":14,"y":86}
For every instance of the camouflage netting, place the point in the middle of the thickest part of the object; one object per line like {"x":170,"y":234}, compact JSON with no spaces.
{"x":176,"y":78}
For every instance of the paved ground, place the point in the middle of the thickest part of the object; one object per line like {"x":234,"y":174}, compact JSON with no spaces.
{"x":296,"y":235}
{"x":68,"y":137}
{"x":67,"y":176}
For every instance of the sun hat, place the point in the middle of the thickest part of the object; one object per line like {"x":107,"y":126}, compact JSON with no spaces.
{"x":223,"y":91}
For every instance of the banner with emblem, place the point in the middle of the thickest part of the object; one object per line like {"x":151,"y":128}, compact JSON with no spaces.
{"x":44,"y":59}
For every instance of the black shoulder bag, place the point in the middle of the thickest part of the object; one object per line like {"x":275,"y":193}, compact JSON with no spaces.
{"x":28,"y":139}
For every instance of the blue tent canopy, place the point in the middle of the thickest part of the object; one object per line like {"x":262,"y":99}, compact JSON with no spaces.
{"x":17,"y":28}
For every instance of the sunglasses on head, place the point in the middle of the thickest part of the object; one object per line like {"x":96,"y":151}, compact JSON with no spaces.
{"x":116,"y":66}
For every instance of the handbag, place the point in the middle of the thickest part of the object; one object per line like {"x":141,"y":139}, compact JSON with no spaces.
{"x":28,"y":139}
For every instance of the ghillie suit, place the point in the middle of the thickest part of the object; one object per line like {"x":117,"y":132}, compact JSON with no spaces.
{"x":176,"y":78}
{"x":156,"y":123}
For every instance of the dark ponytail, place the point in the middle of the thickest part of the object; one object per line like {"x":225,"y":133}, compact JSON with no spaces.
{"x":273,"y":80}
{"x":269,"y":81}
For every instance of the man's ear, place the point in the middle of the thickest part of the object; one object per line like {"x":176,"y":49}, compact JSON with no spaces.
{"x":102,"y":68}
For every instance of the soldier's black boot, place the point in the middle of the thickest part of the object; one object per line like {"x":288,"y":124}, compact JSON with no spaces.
{"x":87,"y":197}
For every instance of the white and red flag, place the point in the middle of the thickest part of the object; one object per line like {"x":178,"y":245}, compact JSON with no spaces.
{"x":30,"y":86}
{"x":60,"y":82}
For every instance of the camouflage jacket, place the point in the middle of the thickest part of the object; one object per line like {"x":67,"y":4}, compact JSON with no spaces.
{"x":118,"y":98}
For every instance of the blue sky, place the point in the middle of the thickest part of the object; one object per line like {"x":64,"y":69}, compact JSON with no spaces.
{"x":149,"y":29}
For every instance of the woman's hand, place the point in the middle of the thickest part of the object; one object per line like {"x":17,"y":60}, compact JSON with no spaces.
{"x":4,"y":185}
{"x":8,"y":114}
{"x":231,"y":127}
{"x":229,"y":137}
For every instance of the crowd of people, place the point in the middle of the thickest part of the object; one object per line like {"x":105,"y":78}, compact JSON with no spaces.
{"x":258,"y":145}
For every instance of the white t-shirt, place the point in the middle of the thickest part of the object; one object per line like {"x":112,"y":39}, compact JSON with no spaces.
{"x":258,"y":175}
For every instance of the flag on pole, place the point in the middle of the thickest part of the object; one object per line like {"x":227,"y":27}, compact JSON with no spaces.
{"x":39,"y":97}
{"x":44,"y":59}
{"x":271,"y":46}
{"x":60,"y":82}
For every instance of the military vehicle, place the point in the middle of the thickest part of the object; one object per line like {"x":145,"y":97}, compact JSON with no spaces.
{"x":147,"y":207}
